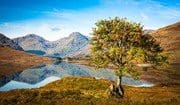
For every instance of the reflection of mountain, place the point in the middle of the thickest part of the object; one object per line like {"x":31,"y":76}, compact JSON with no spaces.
{"x":6,"y":79}
{"x":35,"y":75}
{"x":65,"y":47}
{"x":61,"y":69}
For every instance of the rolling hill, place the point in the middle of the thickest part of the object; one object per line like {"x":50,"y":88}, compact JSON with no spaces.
{"x":168,"y":37}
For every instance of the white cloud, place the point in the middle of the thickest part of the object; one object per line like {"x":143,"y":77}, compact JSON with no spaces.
{"x":144,"y":17}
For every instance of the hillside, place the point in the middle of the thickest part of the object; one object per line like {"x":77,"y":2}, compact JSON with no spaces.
{"x":5,"y":41}
{"x":65,"y":47}
{"x":90,"y":91}
{"x":12,"y":61}
{"x":168,"y":37}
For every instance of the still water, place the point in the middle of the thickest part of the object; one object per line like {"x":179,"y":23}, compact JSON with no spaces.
{"x":41,"y":75}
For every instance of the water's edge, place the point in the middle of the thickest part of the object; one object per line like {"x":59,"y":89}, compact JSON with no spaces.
{"x":41,"y":75}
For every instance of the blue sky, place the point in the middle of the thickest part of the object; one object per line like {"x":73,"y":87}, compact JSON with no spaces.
{"x":54,"y":19}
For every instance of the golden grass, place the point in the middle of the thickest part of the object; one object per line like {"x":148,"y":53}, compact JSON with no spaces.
{"x":90,"y":91}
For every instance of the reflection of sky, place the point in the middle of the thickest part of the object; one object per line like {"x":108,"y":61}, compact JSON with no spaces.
{"x":54,"y":19}
{"x":42,"y":75}
{"x":21,"y":85}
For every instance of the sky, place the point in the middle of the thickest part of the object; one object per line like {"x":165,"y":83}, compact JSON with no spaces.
{"x":55,"y":19}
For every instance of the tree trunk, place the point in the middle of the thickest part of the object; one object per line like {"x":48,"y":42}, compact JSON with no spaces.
{"x":117,"y":90}
{"x":120,"y":89}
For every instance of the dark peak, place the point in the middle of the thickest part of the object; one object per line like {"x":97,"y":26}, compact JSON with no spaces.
{"x":5,"y":41}
{"x":2,"y":36}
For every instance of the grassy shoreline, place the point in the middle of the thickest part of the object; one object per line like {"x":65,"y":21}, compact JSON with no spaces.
{"x":91,"y":91}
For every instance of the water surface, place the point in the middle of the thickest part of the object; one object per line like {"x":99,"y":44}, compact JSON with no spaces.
{"x":41,"y":75}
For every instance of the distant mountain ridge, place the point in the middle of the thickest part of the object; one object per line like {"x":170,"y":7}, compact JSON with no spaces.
{"x":5,"y":41}
{"x":77,"y":45}
{"x":65,"y":47}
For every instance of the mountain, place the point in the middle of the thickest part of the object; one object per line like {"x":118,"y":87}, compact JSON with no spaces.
{"x":65,"y":47}
{"x":5,"y":41}
{"x":83,"y":52}
{"x":77,"y":45}
{"x":168,"y":37}
{"x":32,"y":43}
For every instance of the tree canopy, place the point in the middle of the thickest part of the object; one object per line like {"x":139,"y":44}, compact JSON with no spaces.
{"x":122,"y":44}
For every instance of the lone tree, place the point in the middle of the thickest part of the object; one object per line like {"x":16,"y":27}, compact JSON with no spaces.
{"x":121,"y":44}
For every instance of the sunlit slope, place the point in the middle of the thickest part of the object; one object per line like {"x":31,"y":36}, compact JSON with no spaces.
{"x":169,"y":39}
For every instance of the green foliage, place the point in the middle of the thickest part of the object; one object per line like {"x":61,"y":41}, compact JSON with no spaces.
{"x":122,"y":44}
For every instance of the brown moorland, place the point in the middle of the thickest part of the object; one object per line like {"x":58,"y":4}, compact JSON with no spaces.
{"x":169,"y":39}
{"x":12,"y":61}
